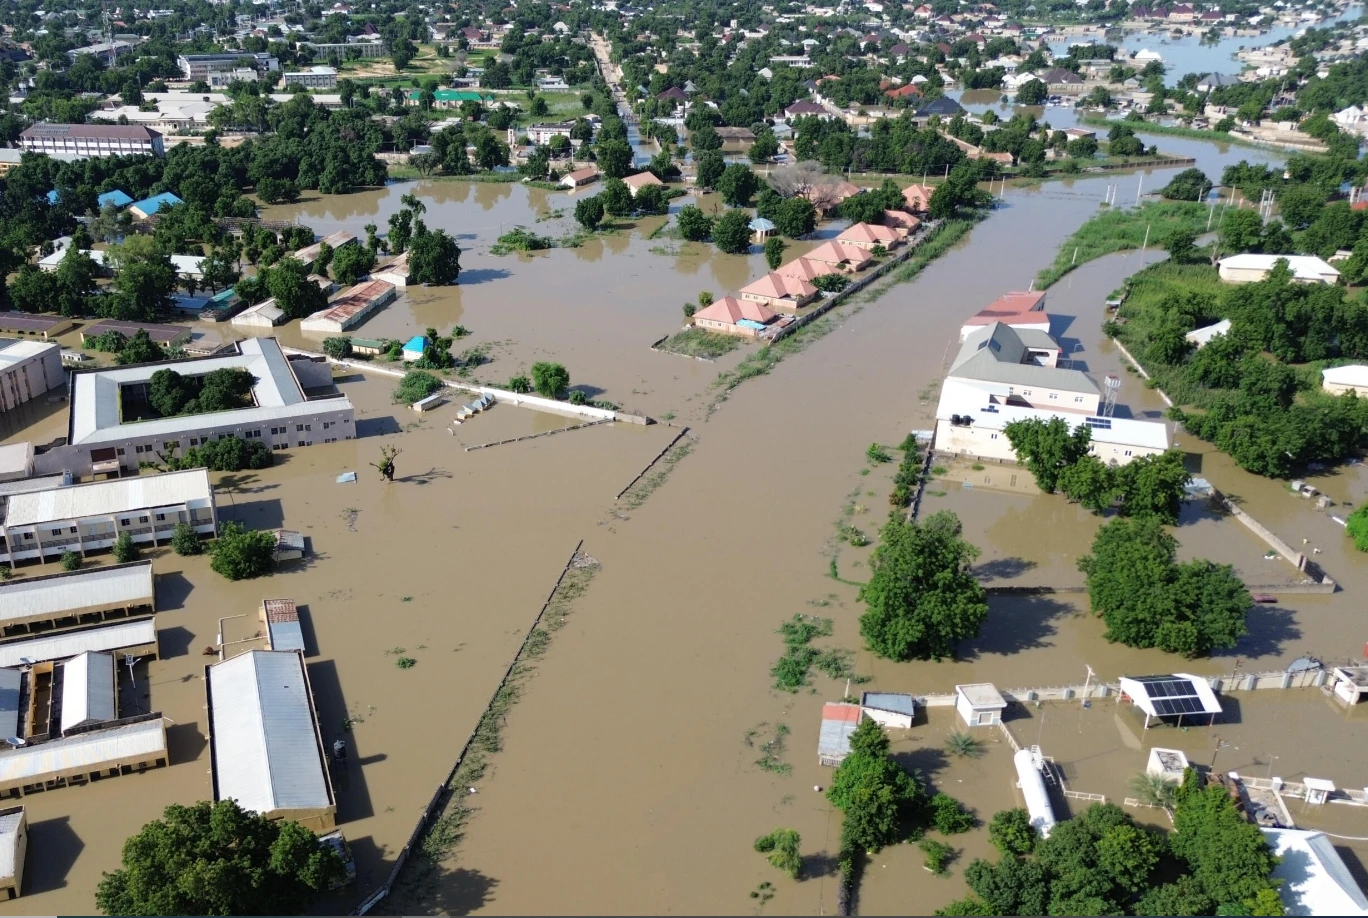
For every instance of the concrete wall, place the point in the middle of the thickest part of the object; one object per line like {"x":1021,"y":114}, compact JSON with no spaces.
{"x":31,"y":376}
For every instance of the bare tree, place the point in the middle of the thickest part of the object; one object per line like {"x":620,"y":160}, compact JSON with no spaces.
{"x":797,"y":180}
{"x":386,"y":464}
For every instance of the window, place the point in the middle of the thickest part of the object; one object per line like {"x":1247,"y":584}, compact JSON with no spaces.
{"x":28,"y":535}
{"x":992,"y":436}
{"x":119,"y":451}
{"x":194,"y":441}
{"x":142,"y":519}
{"x":327,"y":424}
{"x":123,"y":522}
{"x":301,"y":443}
{"x":160,"y":517}
{"x":1078,"y":398}
{"x":1128,"y":452}
{"x":1025,"y":391}
{"x":72,"y":530}
{"x":1054,"y":395}
{"x":298,"y":428}
{"x":56,"y":532}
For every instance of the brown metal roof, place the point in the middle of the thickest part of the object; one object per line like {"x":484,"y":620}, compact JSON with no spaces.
{"x":280,"y":610}
{"x":92,"y":131}
{"x":159,"y":333}
{"x":28,"y":322}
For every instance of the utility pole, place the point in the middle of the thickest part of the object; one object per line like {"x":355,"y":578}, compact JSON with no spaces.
{"x":1138,"y":186}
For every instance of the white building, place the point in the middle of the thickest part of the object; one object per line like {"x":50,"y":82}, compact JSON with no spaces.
{"x":42,"y":524}
{"x":265,"y":746}
{"x":72,"y":598}
{"x":1002,"y":374}
{"x":13,"y":850}
{"x":199,"y":66}
{"x":82,"y":141}
{"x":1172,"y":697}
{"x":265,"y":314}
{"x":88,"y":691}
{"x":1335,"y":380}
{"x":319,"y":77}
{"x":123,"y":749}
{"x":1251,"y":268}
{"x":27,"y":370}
{"x":136,"y":637}
{"x":1314,"y":878}
{"x":281,"y":415}
{"x":979,"y":704}
{"x":1202,"y":336}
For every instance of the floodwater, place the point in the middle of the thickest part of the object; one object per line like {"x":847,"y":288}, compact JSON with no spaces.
{"x":628,"y":780}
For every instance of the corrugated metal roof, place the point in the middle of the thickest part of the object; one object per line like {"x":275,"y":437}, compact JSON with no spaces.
{"x":85,"y":751}
{"x":10,"y":680}
{"x":87,"y":690}
{"x":134,"y":633}
{"x":838,"y":722}
{"x":55,"y":595}
{"x":282,"y":624}
{"x":266,"y":754}
{"x":110,"y":498}
{"x":896,"y":702}
{"x":10,"y":820}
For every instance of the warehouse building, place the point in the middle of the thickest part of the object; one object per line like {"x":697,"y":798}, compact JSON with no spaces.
{"x":265,"y":746}
{"x":32,"y":605}
{"x":137,"y":744}
{"x":134,"y":638}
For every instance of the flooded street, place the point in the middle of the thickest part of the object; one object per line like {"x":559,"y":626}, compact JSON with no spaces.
{"x":628,"y":780}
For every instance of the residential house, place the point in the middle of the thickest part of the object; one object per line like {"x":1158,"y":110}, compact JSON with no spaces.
{"x":1311,"y":876}
{"x":918,"y":197}
{"x":1019,"y":310}
{"x":902,"y":221}
{"x":1201,"y":337}
{"x":870,"y":236}
{"x":803,"y":107}
{"x":1062,"y":82}
{"x":840,"y":255}
{"x":943,"y":107}
{"x":147,"y":207}
{"x":909,"y":93}
{"x":732,"y":316}
{"x":1250,"y":268}
{"x":639,"y":181}
{"x":807,"y":269}
{"x":580,"y":177}
{"x":785,"y":294}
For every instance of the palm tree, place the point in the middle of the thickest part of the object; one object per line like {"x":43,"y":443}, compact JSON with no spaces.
{"x":1153,"y":790}
{"x":963,"y":746}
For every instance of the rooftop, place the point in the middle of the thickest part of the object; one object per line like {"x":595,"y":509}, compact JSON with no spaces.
{"x":138,"y":632}
{"x":28,"y":322}
{"x":108,"y":498}
{"x":85,"y":752}
{"x":779,"y":286}
{"x":731,"y":310}
{"x":996,"y":353}
{"x":353,"y":301}
{"x":162,"y":334}
{"x":838,"y":723}
{"x":95,"y":417}
{"x":1352,"y":375}
{"x":10,"y":820}
{"x":1315,"y":879}
{"x":888,"y":701}
{"x":982,"y":695}
{"x":1304,"y":267}
{"x":267,"y":753}
{"x":1171,"y":695}
{"x":90,"y":131}
{"x":54,"y":595}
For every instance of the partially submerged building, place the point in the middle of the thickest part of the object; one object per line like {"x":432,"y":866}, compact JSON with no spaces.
{"x":28,"y":369}
{"x":1312,"y":878}
{"x":889,"y":709}
{"x":265,"y":746}
{"x":13,"y":850}
{"x":781,"y":293}
{"x":731,"y":316}
{"x":83,"y":517}
{"x":1020,"y":310}
{"x":32,"y":605}
{"x":839,"y":721}
{"x":135,"y":744}
{"x":282,"y":414}
{"x":350,"y":309}
{"x":280,"y":617}
{"x":168,"y":336}
{"x":1339,"y":380}
{"x":89,"y":693}
{"x":1251,"y":268}
{"x":979,"y":704}
{"x":136,"y":638}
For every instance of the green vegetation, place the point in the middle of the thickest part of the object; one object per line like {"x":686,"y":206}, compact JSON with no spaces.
{"x":1147,"y":599}
{"x":405,"y":662}
{"x":1011,"y":833}
{"x":520,"y":240}
{"x":877,"y":455}
{"x":416,"y":386}
{"x":1357,"y":526}
{"x":124,"y":549}
{"x":963,"y":745}
{"x":791,"y":671}
{"x":169,"y":394}
{"x":138,"y":349}
{"x":1060,"y":460}
{"x":185,"y":541}
{"x":908,"y":475}
{"x":699,"y":342}
{"x":921,"y":601}
{"x":1115,"y":230}
{"x":1172,"y":130}
{"x":225,"y":454}
{"x":1153,"y":790}
{"x":338,"y":348}
{"x":644,"y":487}
{"x":240,"y":553}
{"x":781,"y":849}
{"x":550,"y":380}
{"x":1255,"y":391}
{"x":949,"y":817}
{"x":71,"y":560}
{"x":731,"y":232}
{"x":936,"y":855}
{"x":218,"y":859}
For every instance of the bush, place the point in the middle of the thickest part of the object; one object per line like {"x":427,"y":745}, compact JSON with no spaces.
{"x":71,"y":561}
{"x":949,"y":816}
{"x":416,"y":386}
{"x":1357,"y":526}
{"x":782,"y":846}
{"x":520,"y":384}
{"x":338,"y":348}
{"x":831,"y":283}
{"x":1011,"y":832}
{"x":124,"y":549}
{"x":241,"y":553}
{"x":937,"y":855}
{"x":549,"y":379}
{"x":876,"y":454}
{"x":185,"y":541}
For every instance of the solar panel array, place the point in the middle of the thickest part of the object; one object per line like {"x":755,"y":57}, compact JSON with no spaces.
{"x":1172,"y":696}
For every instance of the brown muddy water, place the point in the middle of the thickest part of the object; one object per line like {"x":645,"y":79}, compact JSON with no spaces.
{"x":628,"y":781}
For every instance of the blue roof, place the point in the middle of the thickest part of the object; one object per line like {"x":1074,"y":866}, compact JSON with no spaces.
{"x":53,"y":197}
{"x":115,"y":197}
{"x":761,"y":225}
{"x":154,"y":203}
{"x":416,"y":343}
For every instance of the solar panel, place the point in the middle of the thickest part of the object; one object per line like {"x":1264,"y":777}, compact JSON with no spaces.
{"x":1166,"y":707}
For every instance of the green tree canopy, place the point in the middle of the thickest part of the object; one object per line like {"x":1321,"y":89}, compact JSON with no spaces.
{"x":1048,"y":447}
{"x":549,"y":379}
{"x":694,"y":224}
{"x":240,"y":553}
{"x":921,"y":600}
{"x":731,"y":232}
{"x":217,"y":859}
{"x":297,"y":296}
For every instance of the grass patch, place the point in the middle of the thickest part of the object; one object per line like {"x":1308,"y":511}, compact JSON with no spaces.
{"x":699,"y":342}
{"x":790,"y":671}
{"x":1172,"y":130}
{"x":772,"y":750}
{"x":1115,"y":230}
{"x":636,"y":495}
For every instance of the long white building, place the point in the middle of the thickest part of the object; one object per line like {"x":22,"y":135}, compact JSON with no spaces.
{"x":283,"y":414}
{"x":27,"y":370}
{"x":39,"y":525}
{"x":1005,"y":374}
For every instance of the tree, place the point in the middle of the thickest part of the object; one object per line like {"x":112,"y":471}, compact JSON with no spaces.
{"x":1147,"y":599}
{"x":386,"y":464}
{"x":737,"y":185}
{"x":651,"y":199}
{"x":1032,"y":92}
{"x":1128,"y":855}
{"x":764,"y":148}
{"x":168,"y":392}
{"x":415,"y":386}
{"x":185,"y":541}
{"x":1184,"y":896}
{"x":705,"y":139}
{"x":949,"y":816}
{"x":549,"y":379}
{"x":1082,"y":148}
{"x":589,"y":212}
{"x":140,"y":349}
{"x":434,"y":257}
{"x":1181,"y":244}
{"x":1011,"y":832}
{"x":240,"y":553}
{"x":1188,"y":185}
{"x":694,"y":225}
{"x":71,"y":560}
{"x":1153,"y":485}
{"x":872,"y":791}
{"x":1241,"y":231}
{"x":795,"y":218}
{"x":351,"y":262}
{"x":616,"y":197}
{"x":921,"y":600}
{"x":219,"y":270}
{"x":1228,"y":855}
{"x":782,"y":849}
{"x":710,"y":167}
{"x":774,"y":252}
{"x":732,"y":232}
{"x":1357,"y":525}
{"x":614,"y":158}
{"x":1048,"y":447}
{"x":218,"y":859}
{"x":1089,"y":482}
{"x":124,"y":549}
{"x":143,"y":281}
{"x":295,"y":295}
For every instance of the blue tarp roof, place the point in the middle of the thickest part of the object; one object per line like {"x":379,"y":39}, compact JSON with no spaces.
{"x":154,"y":203}
{"x":53,"y":197}
{"x":750,"y":323}
{"x":115,"y":197}
{"x":761,"y":225}
{"x":416,"y":343}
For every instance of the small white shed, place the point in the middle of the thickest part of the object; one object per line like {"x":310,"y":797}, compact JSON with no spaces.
{"x":889,"y":709}
{"x":980,"y":704}
{"x":13,"y":849}
{"x":1169,"y":764}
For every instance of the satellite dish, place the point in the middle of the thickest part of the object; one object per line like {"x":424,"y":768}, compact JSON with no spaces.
{"x":27,"y":661}
{"x":15,"y":741}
